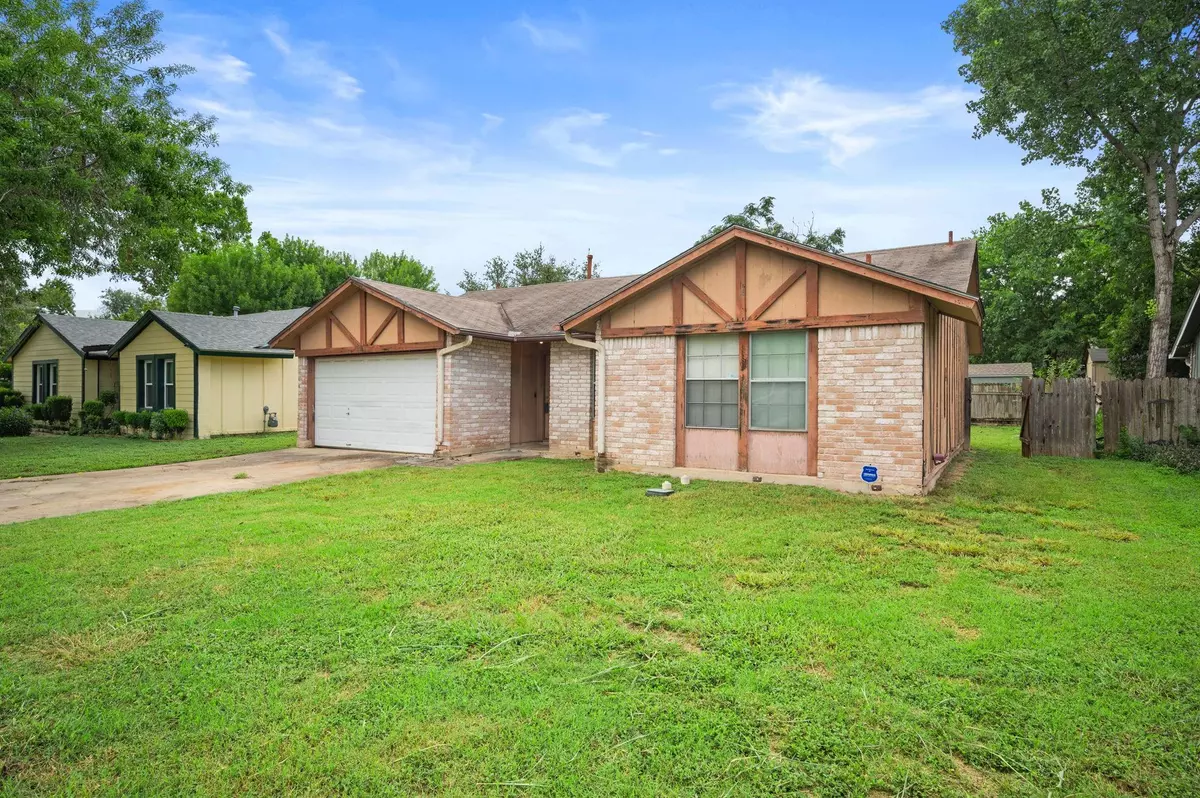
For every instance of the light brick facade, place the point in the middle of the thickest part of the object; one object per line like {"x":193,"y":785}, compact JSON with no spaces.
{"x":640,"y":402}
{"x":477,"y":397}
{"x":304,"y":372}
{"x":871,"y":406}
{"x":570,"y":399}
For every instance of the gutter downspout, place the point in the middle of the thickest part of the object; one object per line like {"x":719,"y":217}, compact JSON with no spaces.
{"x":440,"y":423}
{"x":598,"y":348}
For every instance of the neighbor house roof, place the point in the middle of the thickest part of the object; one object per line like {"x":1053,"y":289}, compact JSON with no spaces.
{"x":248,"y":334}
{"x":1190,"y":328}
{"x":1000,"y":370}
{"x":82,"y":334}
{"x":1097,"y":355}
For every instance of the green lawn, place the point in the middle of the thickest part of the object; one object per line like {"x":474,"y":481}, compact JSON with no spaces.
{"x":533,"y":628}
{"x":38,"y":455}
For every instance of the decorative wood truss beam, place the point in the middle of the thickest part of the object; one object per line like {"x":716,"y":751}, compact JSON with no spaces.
{"x":759,"y":325}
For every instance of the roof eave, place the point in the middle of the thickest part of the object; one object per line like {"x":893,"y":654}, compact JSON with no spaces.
{"x":1187,"y":329}
{"x":736,"y":231}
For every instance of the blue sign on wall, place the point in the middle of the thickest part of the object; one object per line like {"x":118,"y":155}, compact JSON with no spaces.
{"x":870,"y":474}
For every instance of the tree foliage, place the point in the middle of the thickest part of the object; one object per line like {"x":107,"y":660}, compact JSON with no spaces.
{"x":1104,"y":85}
{"x":20,"y":306}
{"x":398,"y":269}
{"x":117,"y":303}
{"x":760,"y":216}
{"x":274,"y":274}
{"x":99,"y":171}
{"x":528,"y":267}
{"x":1059,"y":277}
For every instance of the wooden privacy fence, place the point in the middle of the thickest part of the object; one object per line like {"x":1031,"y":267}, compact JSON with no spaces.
{"x":1058,"y":419}
{"x":996,"y":403}
{"x":1152,"y":410}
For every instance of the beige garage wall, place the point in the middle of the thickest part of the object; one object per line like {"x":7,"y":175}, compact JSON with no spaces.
{"x":155,"y":340}
{"x":45,"y":344}
{"x":233,"y":391}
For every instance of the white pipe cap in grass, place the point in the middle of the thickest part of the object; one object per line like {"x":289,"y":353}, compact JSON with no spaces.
{"x":667,"y":485}
{"x":685,"y":480}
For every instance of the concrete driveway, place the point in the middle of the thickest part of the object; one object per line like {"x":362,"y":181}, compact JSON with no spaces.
{"x":28,"y":498}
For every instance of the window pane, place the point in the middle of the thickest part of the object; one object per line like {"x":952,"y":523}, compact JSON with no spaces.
{"x":779,"y":355}
{"x":711,"y":403}
{"x":170,"y":367}
{"x":778,"y":405}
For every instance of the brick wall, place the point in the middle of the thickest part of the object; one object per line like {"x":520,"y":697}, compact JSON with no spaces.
{"x":570,"y":399}
{"x":477,"y":397}
{"x":870,"y":405}
{"x":640,"y":403}
{"x":304,"y":372}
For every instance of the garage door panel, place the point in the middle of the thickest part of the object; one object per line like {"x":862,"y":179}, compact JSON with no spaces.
{"x":382,"y":402}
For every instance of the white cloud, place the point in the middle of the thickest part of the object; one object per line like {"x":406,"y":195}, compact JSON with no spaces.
{"x":564,"y":134}
{"x":305,"y":61}
{"x":212,"y":65}
{"x":491,"y":122}
{"x":791,"y":112}
{"x":549,"y":37}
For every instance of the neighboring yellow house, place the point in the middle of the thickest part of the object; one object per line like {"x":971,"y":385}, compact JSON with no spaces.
{"x":220,"y":369}
{"x":66,"y":356}
{"x":1097,"y":366}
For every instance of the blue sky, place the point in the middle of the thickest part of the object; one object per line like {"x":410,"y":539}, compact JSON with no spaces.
{"x":459,"y":131}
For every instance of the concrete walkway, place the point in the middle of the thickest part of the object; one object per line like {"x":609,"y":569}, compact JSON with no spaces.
{"x":28,"y":498}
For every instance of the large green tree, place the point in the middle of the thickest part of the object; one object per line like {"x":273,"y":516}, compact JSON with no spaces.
{"x":268,"y":275}
{"x":21,"y":304}
{"x":761,"y":216}
{"x":99,"y":170}
{"x":528,"y":267}
{"x":123,"y":305}
{"x":398,"y":269}
{"x":1061,"y":276}
{"x":1090,"y":83}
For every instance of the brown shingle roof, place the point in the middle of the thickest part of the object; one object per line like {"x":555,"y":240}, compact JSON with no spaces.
{"x":1000,"y":370}
{"x":949,"y":265}
{"x":527,"y":311}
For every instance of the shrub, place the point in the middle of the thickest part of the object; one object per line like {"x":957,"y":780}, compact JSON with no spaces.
{"x":58,"y":408}
{"x":11,"y":398}
{"x":14,"y":422}
{"x":120,"y":418}
{"x":1183,"y":456}
{"x":176,"y":420}
{"x":110,"y":398}
{"x":158,"y":425}
{"x":37,"y":412}
{"x":93,"y":407}
{"x":140,"y":420}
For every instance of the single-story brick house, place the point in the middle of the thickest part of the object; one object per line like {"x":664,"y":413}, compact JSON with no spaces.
{"x":745,"y":356}
{"x":220,"y":369}
{"x":66,"y":356}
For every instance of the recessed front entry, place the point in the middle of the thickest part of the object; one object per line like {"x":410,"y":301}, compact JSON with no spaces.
{"x":530,"y":404}
{"x":382,"y":402}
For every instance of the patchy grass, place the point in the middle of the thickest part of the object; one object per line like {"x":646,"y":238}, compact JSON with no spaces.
{"x":38,"y":455}
{"x":534,"y":628}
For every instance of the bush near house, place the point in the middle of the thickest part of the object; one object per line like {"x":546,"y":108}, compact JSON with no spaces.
{"x":37,"y":411}
{"x":93,"y":407}
{"x":176,"y":420}
{"x":110,"y":398}
{"x":58,"y":409}
{"x":14,"y":422}
{"x":10,"y":397}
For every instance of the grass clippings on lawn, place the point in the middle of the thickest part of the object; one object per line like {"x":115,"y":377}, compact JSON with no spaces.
{"x":533,"y":628}
{"x":41,"y":455}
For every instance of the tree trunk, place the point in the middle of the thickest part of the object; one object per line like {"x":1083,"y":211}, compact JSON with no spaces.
{"x":1163,"y":249}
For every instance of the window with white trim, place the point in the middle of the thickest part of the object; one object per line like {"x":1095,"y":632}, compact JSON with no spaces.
{"x":779,"y":380}
{"x":712,"y":381}
{"x":156,"y":381}
{"x":45,"y":380}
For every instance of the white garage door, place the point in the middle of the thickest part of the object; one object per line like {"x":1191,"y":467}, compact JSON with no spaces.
{"x":383,"y":402}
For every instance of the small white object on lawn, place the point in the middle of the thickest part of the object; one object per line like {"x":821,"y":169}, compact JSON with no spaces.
{"x":685,"y":480}
{"x":667,"y":485}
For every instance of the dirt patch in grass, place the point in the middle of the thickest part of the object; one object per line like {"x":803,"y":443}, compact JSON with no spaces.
{"x":963,"y":633}
{"x":64,"y":651}
{"x":977,"y":781}
{"x":684,"y":640}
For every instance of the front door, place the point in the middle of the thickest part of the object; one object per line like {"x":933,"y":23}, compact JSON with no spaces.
{"x":530,"y":401}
